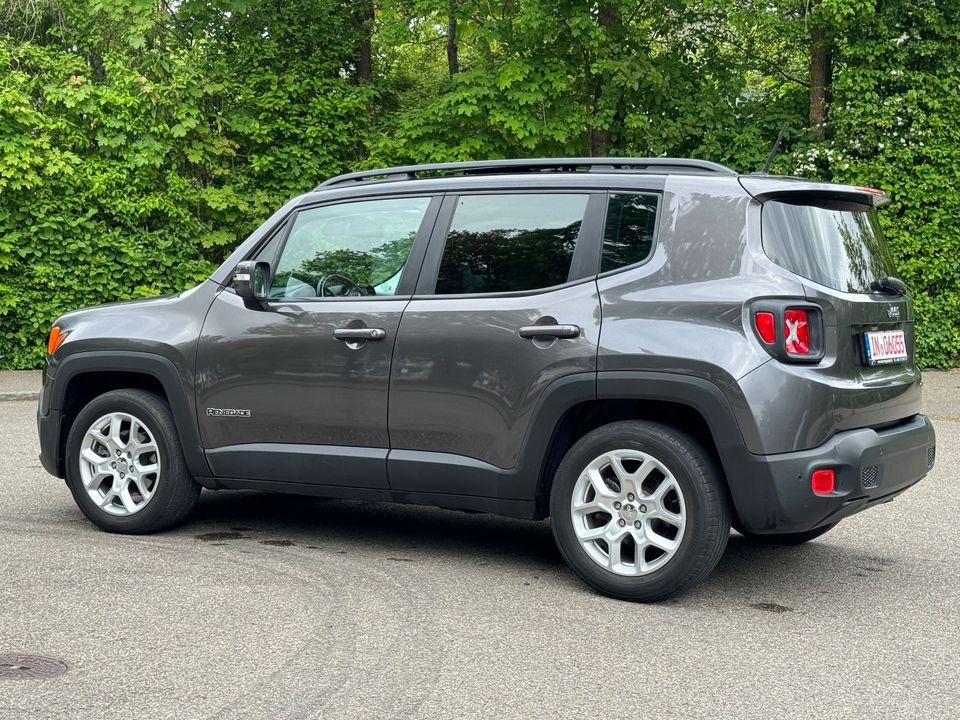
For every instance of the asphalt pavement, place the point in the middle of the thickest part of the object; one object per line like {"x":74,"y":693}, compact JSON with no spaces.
{"x":264,"y":606}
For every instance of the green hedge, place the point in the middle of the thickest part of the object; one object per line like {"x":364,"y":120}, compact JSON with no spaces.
{"x":137,"y":147}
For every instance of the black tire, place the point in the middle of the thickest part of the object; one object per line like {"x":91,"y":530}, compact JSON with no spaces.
{"x":176,"y":491}
{"x":786,"y":538}
{"x":707,"y":525}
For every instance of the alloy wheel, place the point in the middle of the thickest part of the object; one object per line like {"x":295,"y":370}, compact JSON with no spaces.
{"x":120,"y":463}
{"x":628,"y":512}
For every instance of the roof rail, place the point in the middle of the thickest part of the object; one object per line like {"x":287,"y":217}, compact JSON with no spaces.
{"x":495,"y":167}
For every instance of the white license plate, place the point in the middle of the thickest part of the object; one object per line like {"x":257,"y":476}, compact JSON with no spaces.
{"x":889,"y":346}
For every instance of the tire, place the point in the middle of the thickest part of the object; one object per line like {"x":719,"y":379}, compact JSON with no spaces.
{"x":786,"y":538}
{"x":168,"y":493}
{"x":696,"y":495}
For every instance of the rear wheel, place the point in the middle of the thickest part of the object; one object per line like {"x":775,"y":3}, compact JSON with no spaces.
{"x":124,"y":464}
{"x":639,"y":510}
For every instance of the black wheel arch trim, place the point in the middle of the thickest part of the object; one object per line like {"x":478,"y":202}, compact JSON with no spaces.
{"x":700,"y":394}
{"x":711,"y":402}
{"x":160,"y":368}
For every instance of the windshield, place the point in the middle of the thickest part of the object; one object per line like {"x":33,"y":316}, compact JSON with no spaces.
{"x":835,"y":244}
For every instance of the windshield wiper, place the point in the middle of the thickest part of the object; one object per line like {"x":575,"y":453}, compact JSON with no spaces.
{"x":889,"y":285}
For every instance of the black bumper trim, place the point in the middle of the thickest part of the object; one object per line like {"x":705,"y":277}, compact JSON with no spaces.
{"x":773,"y":495}
{"x":48,"y":427}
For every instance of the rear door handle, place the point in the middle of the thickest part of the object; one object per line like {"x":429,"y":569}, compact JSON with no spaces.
{"x":359,"y":333}
{"x":554,"y":331}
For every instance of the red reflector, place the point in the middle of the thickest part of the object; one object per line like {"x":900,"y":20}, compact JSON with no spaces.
{"x":765,"y":326}
{"x":796,"y":330}
{"x":822,"y":482}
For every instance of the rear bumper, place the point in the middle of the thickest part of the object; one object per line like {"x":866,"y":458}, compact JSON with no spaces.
{"x":773,"y":495}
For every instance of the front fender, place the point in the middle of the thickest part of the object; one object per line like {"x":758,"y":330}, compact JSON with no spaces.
{"x":178,"y":390}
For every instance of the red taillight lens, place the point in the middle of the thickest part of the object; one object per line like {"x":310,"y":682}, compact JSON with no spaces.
{"x":822,"y":482}
{"x":796,"y":332}
{"x":766,"y":326}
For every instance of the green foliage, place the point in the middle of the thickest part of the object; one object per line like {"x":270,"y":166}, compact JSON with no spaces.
{"x":133,"y":159}
{"x":141,"y":141}
{"x":896,"y":125}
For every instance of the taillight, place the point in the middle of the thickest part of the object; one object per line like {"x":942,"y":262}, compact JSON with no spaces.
{"x":766,"y":326}
{"x":796,"y":332}
{"x":789,"y":329}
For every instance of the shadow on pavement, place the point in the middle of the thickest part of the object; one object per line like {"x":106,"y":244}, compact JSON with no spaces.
{"x":780,"y":575}
{"x":335,"y":524}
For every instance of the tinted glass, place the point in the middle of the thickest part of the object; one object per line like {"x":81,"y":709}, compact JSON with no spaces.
{"x":351,"y":249}
{"x":837,"y":245}
{"x":628,"y":234}
{"x":501,"y":243}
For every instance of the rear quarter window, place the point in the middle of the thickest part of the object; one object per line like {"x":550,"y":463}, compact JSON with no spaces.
{"x":629,"y":230}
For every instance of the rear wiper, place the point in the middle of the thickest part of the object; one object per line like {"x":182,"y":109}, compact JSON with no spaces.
{"x":890,"y":285}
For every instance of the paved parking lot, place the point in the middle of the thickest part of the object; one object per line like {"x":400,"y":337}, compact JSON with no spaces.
{"x":262,"y":606}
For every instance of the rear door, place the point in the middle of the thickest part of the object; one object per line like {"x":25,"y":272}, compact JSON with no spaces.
{"x":506,"y":304}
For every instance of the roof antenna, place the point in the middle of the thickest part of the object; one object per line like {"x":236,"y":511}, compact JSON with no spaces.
{"x":773,"y":150}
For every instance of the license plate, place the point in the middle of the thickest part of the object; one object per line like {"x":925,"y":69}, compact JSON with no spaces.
{"x":882,"y":348}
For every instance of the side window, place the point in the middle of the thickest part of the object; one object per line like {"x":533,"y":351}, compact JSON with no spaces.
{"x":347,"y":250}
{"x":628,"y":233}
{"x":502,"y":243}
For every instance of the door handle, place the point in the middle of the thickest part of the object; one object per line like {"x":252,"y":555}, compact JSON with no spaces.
{"x":554,"y":331}
{"x":359,"y":333}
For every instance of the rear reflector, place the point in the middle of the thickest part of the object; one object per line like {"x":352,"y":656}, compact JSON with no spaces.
{"x":796,"y":332}
{"x":822,"y":482}
{"x":766,"y":326}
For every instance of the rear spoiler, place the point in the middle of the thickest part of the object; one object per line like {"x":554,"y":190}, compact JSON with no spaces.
{"x":764,"y":188}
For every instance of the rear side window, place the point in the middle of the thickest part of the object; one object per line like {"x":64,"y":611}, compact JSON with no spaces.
{"x":504,"y":243}
{"x":628,"y":233}
{"x":836,"y":244}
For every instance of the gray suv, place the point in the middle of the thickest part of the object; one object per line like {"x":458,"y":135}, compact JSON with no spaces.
{"x":647,"y":351}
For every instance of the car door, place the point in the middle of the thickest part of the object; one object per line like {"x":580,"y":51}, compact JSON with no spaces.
{"x":294,"y":389}
{"x":506,"y":306}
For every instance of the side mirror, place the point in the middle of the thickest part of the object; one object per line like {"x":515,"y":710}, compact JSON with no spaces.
{"x":251,"y":280}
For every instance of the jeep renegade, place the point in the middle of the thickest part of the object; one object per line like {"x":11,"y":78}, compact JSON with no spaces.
{"x":644,"y":350}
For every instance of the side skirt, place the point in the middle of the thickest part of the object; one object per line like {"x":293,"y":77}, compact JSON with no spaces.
{"x":522,"y":509}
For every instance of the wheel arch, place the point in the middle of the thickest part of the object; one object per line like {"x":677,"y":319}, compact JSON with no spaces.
{"x":692,"y":404}
{"x":84,"y":376}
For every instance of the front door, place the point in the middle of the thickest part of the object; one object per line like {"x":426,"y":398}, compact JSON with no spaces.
{"x":296,"y":390}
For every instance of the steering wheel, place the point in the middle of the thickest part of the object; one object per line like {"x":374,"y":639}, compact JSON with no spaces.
{"x":351,"y":289}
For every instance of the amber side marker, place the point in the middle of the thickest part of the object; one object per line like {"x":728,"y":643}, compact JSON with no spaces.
{"x":55,"y":339}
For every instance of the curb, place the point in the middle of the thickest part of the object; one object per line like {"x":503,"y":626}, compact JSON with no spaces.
{"x":22,"y":395}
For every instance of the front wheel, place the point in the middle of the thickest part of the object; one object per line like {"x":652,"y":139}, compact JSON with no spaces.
{"x":124,"y":464}
{"x":639,"y":510}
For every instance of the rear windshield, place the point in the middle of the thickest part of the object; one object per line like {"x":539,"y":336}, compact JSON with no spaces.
{"x":835,"y":244}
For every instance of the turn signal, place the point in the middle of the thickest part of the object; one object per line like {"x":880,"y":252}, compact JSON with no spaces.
{"x":55,"y":339}
{"x":822,"y":482}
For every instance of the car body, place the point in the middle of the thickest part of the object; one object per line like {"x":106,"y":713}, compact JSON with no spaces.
{"x":455,"y":383}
